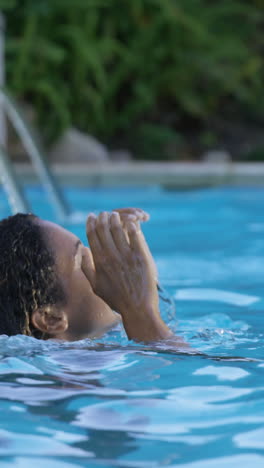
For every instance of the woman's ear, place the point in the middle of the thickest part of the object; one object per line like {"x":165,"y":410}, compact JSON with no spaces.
{"x":50,"y":320}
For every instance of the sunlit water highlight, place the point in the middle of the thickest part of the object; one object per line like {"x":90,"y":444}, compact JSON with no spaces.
{"x":114,"y":403}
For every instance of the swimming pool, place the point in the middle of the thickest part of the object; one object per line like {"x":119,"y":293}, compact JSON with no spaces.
{"x":113,"y":403}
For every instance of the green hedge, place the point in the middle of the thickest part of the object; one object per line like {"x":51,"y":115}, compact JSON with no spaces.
{"x":135,"y":71}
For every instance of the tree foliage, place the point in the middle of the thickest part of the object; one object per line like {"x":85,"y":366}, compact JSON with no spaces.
{"x":122,"y":68}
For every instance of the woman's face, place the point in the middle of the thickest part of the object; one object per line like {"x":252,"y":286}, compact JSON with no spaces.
{"x":87,"y":314}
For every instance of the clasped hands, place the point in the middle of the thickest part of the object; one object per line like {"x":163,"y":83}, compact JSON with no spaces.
{"x":121,"y":270}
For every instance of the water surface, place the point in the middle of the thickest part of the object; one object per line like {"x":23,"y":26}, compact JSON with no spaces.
{"x":113,"y":403}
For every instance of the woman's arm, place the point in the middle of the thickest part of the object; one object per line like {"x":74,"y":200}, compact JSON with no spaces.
{"x":125,"y":277}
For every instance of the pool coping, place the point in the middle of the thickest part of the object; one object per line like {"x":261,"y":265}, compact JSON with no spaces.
{"x":170,"y":174}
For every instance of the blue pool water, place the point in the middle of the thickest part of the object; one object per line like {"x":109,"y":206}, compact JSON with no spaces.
{"x":113,"y":403}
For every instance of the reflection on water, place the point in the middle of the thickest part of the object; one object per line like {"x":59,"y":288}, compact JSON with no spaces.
{"x":76,"y":403}
{"x":114,"y":403}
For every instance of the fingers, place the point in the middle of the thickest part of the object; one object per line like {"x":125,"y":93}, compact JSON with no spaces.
{"x":106,"y":237}
{"x":88,"y":267}
{"x":110,"y":240}
{"x":149,"y":256}
{"x":119,"y":235}
{"x":132,"y":214}
{"x":104,"y":233}
{"x":139,"y":244}
{"x":92,"y":236}
{"x":136,"y":238}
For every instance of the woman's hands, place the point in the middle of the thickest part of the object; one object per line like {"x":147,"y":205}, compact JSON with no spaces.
{"x":137,"y":215}
{"x":132,"y":214}
{"x":123,"y":272}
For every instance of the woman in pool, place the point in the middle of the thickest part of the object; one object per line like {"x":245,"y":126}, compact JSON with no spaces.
{"x":52,"y":286}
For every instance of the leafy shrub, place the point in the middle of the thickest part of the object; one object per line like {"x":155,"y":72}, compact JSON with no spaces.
{"x":116,"y":67}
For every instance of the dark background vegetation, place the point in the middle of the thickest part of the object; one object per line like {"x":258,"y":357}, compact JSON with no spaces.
{"x":165,"y":78}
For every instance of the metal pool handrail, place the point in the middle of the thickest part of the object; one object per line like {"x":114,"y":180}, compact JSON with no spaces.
{"x":38,"y":159}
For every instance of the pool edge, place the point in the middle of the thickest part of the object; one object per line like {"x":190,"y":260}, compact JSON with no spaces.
{"x":174,"y":175}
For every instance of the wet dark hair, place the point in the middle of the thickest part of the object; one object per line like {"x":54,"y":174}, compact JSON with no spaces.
{"x":28,"y":279}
